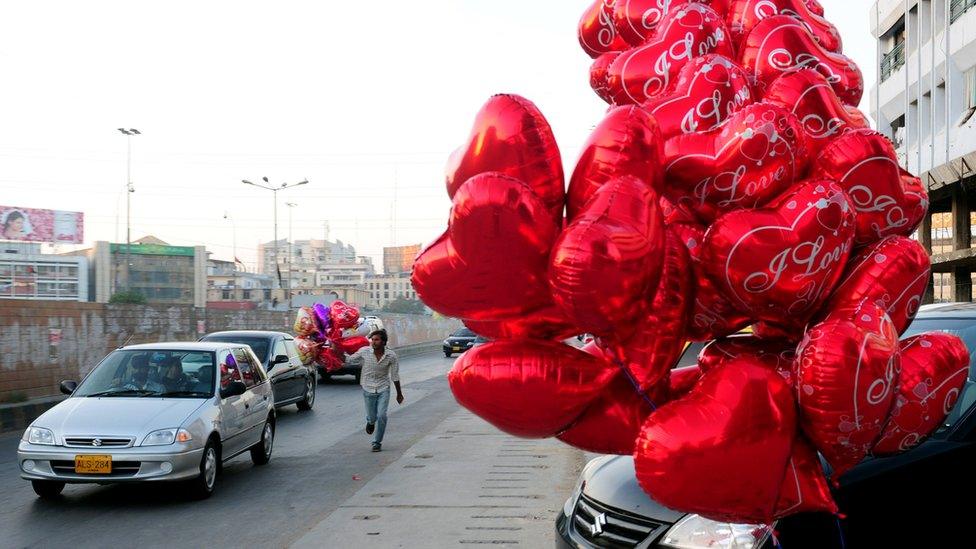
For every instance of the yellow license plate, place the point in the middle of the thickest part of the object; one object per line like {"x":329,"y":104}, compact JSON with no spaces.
{"x":93,"y":464}
{"x":457,"y":348}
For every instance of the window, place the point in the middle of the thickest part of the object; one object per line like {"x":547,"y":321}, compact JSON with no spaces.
{"x":245,"y":367}
{"x":246,"y":294}
{"x":970,"y":79}
{"x":386,"y":295}
{"x":229,"y":370}
{"x":225,"y":294}
{"x":386,"y":285}
{"x":898,"y":131}
{"x":267,"y":294}
{"x":279,"y":349}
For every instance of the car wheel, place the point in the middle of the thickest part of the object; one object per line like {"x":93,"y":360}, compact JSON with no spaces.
{"x":448,"y":354}
{"x":47,"y":489}
{"x":261,"y":452}
{"x":325,"y":379}
{"x":306,"y":405}
{"x":202,"y":487}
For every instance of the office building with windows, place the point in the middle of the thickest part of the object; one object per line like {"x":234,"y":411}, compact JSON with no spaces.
{"x":26,"y":273}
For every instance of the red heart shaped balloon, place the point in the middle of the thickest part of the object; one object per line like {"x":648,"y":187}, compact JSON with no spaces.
{"x":745,"y":163}
{"x":350,"y":345}
{"x":660,"y":336}
{"x":783,"y":261}
{"x":893,"y":273}
{"x":744,"y":15}
{"x":600,"y":75}
{"x":511,"y":136}
{"x":864,"y":163}
{"x":722,"y":450}
{"x":712,"y":315}
{"x":549,"y":322}
{"x":597,"y":34}
{"x":780,"y":44}
{"x":934,"y":367}
{"x":688,"y":31}
{"x":846,"y":379}
{"x":532,"y":389}
{"x":610,"y":424}
{"x":778,"y":355}
{"x":808,"y":95}
{"x":709,"y":90}
{"x":814,"y":7}
{"x":805,"y":489}
{"x":343,"y":316}
{"x":626,"y":142}
{"x":637,"y":19}
{"x":683,"y":380}
{"x":491,"y":263}
{"x":604,"y":262}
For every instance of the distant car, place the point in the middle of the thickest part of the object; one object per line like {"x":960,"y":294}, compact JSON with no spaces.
{"x":459,"y":341}
{"x":127,"y":422}
{"x":293,"y":381}
{"x":372,"y":323}
{"x":898,"y":501}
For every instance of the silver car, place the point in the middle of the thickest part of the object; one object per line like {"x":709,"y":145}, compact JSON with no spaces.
{"x":155,"y":412}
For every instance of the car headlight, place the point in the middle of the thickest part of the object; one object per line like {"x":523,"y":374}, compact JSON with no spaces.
{"x":40,"y":435}
{"x":164,"y":437}
{"x":696,"y":532}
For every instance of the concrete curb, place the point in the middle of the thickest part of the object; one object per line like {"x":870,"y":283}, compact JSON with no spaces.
{"x":14,"y":417}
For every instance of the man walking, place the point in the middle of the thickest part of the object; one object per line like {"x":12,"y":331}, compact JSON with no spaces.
{"x":379,"y":368}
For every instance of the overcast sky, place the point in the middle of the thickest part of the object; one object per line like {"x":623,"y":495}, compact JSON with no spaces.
{"x":356,"y":97}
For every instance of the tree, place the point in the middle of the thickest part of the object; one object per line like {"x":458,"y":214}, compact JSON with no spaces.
{"x":405,"y":306}
{"x":128,"y":297}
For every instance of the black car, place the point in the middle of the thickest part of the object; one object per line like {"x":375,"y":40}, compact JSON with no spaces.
{"x":459,"y":341}
{"x":292,"y":381}
{"x":920,"y":498}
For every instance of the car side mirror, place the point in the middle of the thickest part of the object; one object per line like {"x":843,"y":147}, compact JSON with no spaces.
{"x":67,"y":386}
{"x":234,"y":388}
{"x":280,"y":359}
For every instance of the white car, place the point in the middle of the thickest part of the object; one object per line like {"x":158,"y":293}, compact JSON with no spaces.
{"x":155,"y":412}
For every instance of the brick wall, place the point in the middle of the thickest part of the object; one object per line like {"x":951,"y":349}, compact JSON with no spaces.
{"x":44,"y":342}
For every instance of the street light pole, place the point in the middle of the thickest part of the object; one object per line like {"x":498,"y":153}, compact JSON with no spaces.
{"x":274,"y":191}
{"x":128,"y":133}
{"x":291,"y":206}
{"x":233,"y":227}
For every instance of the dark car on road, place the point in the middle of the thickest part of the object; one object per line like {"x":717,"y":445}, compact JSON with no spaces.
{"x":920,"y":498}
{"x":459,"y":341}
{"x":292,"y":381}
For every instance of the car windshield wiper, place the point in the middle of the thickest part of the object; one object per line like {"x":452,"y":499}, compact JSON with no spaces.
{"x":123,"y":392}
{"x":185,"y":393}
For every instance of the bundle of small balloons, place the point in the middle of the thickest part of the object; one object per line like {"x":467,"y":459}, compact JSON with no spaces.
{"x":732,"y":194}
{"x":319,"y":334}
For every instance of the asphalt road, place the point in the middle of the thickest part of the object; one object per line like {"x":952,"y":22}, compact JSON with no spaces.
{"x":321,"y":458}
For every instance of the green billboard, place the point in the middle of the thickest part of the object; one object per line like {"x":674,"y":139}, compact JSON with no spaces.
{"x":153,"y":249}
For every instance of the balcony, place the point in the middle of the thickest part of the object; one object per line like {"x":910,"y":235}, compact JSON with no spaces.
{"x":895,"y":59}
{"x":959,"y":7}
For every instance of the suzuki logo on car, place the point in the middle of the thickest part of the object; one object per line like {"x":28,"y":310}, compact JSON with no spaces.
{"x":97,"y":442}
{"x":598,"y":523}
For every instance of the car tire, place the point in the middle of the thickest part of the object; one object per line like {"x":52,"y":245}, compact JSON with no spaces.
{"x":47,"y":489}
{"x":261,"y":452}
{"x":309,"y":400}
{"x":448,"y":354}
{"x":325,"y":379}
{"x":202,"y":487}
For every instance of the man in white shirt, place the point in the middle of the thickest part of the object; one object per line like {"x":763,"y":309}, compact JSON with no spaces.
{"x":380,"y":367}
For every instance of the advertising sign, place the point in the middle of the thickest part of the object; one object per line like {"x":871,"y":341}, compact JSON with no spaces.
{"x":33,"y":225}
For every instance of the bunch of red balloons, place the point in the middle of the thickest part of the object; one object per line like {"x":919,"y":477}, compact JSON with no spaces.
{"x":319,"y":339}
{"x":732,"y":184}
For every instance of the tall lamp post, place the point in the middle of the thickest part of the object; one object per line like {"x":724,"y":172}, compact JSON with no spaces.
{"x":274,"y":191}
{"x":128,"y":133}
{"x":291,"y":206}
{"x":233,"y":227}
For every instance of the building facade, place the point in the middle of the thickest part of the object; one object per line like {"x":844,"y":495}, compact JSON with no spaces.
{"x":399,"y":259}
{"x":159,"y":272}
{"x":924,"y":102}
{"x":386,"y":288}
{"x":231,"y":288}
{"x":26,"y":273}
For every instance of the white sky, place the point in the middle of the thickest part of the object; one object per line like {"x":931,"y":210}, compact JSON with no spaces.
{"x":351,"y":95}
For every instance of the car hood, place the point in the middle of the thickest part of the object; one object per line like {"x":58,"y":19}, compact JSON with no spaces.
{"x":613,"y":482}
{"x":121,"y":416}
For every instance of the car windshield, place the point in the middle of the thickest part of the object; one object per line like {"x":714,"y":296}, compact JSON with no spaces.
{"x":258,"y":344}
{"x":965,"y":329}
{"x":151,"y":373}
{"x":463,"y":332}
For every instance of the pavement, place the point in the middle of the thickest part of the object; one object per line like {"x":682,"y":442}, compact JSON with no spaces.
{"x":444,"y":479}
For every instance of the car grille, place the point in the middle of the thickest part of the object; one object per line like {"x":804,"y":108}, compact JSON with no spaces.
{"x":605,"y":526}
{"x":119,"y":468}
{"x":103,"y":442}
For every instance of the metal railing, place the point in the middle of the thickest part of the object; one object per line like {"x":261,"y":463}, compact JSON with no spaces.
{"x":895,"y":58}
{"x":959,"y":7}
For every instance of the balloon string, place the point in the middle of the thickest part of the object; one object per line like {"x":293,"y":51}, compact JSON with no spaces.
{"x":636,"y":385}
{"x":840,"y":532}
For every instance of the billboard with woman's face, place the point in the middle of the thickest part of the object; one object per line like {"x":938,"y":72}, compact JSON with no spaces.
{"x":33,"y":225}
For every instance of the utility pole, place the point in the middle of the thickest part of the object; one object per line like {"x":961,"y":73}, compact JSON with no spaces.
{"x":274,"y":191}
{"x":128,"y":133}
{"x":291,"y":206}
